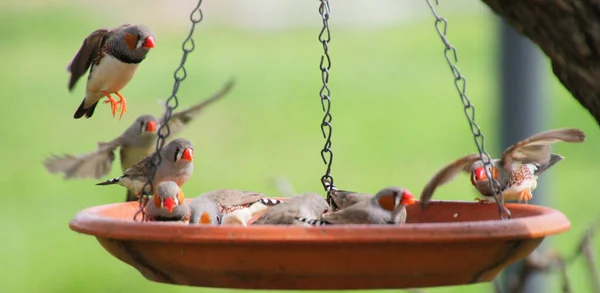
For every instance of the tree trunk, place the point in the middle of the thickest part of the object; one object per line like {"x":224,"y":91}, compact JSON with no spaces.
{"x":569,"y":33}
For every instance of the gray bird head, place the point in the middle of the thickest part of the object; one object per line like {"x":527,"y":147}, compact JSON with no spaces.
{"x":479,"y":177}
{"x":179,"y":150}
{"x":390,"y":198}
{"x":168,"y":196}
{"x":142,"y":133}
{"x":130,"y":43}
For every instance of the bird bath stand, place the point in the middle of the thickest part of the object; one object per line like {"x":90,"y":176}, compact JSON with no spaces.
{"x":448,"y":243}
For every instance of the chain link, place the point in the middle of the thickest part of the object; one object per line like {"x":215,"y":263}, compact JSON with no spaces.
{"x":441,"y":26}
{"x":171,"y":104}
{"x":325,"y":94}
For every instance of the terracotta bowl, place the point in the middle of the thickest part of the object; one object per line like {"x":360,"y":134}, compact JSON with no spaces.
{"x":449,"y":243}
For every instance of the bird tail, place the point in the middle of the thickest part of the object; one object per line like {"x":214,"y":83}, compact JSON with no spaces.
{"x":82,"y":111}
{"x":312,"y":222}
{"x":269,"y":201}
{"x":554,"y":158}
{"x":111,"y":181}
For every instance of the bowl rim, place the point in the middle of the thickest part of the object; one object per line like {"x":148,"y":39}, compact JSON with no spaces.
{"x":545,"y":221}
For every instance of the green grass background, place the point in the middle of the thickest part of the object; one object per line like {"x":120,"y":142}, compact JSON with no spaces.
{"x":396,"y":119}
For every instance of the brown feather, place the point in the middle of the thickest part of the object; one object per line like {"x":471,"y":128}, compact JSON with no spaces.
{"x":446,"y":174}
{"x":536,"y":148}
{"x":86,"y":55}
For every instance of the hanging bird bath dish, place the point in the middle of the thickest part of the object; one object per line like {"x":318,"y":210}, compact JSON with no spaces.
{"x":447,"y":243}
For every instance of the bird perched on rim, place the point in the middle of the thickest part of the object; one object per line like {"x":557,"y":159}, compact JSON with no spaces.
{"x":135,"y":143}
{"x":112,"y":56}
{"x":388,"y":206}
{"x":516,"y":171}
{"x":176,"y":165}
{"x":167,"y":204}
{"x":244,"y":202}
{"x":345,"y":198}
{"x":307,"y":205}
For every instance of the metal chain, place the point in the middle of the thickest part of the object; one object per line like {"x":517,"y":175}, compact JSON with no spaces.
{"x":171,"y":104}
{"x":325,"y":94}
{"x":441,"y":26}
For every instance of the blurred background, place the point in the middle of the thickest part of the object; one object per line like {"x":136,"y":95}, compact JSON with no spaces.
{"x":396,"y":116}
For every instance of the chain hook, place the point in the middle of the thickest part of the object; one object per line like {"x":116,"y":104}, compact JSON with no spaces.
{"x":460,"y":83}
{"x":171,"y":104}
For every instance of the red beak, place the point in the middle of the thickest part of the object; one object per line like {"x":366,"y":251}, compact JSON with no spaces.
{"x":151,"y":126}
{"x":169,"y":204}
{"x":407,"y":198}
{"x":480,"y":174}
{"x":149,"y":42}
{"x":188,"y":154}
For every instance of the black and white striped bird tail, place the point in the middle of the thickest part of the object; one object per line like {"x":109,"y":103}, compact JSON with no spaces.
{"x":312,"y":222}
{"x":111,"y":181}
{"x":269,"y":201}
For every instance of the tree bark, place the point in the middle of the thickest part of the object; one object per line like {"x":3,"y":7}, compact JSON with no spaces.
{"x":568,"y":32}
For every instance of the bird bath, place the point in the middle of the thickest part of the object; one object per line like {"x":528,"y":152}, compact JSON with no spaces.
{"x":448,"y":243}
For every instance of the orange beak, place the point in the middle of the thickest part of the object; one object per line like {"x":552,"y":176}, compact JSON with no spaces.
{"x":407,"y":198}
{"x":188,"y":154}
{"x":149,"y":42}
{"x":169,"y":204}
{"x":151,"y":126}
{"x":480,"y":174}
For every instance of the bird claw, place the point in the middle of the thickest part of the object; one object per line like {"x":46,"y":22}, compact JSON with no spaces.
{"x":481,"y":201}
{"x":525,"y":195}
{"x":122,"y":103}
{"x":115,"y":105}
{"x":112,"y":101}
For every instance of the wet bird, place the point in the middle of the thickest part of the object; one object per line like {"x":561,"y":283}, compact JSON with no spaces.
{"x":167,"y":204}
{"x":306,"y":205}
{"x":112,"y":57}
{"x":516,"y":171}
{"x":388,"y":206}
{"x":176,"y":165}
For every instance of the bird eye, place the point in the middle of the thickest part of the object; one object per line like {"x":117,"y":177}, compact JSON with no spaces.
{"x":177,"y":150}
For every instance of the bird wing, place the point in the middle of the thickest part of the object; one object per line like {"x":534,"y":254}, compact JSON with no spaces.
{"x":180,"y":119}
{"x":91,"y":165}
{"x":139,"y":169}
{"x":446,"y":174}
{"x":86,"y":55}
{"x":536,"y":148}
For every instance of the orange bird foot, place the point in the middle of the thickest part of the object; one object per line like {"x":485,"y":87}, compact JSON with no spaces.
{"x":112,"y":101}
{"x":525,"y":195}
{"x":479,"y":200}
{"x":122,"y":103}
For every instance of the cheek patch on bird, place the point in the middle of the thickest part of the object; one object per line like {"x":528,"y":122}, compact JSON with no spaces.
{"x":180,"y":197}
{"x":130,"y":41}
{"x":205,"y":218}
{"x":157,"y":202}
{"x":387,"y":202}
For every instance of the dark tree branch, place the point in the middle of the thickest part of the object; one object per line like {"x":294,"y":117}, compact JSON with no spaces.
{"x":568,"y":32}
